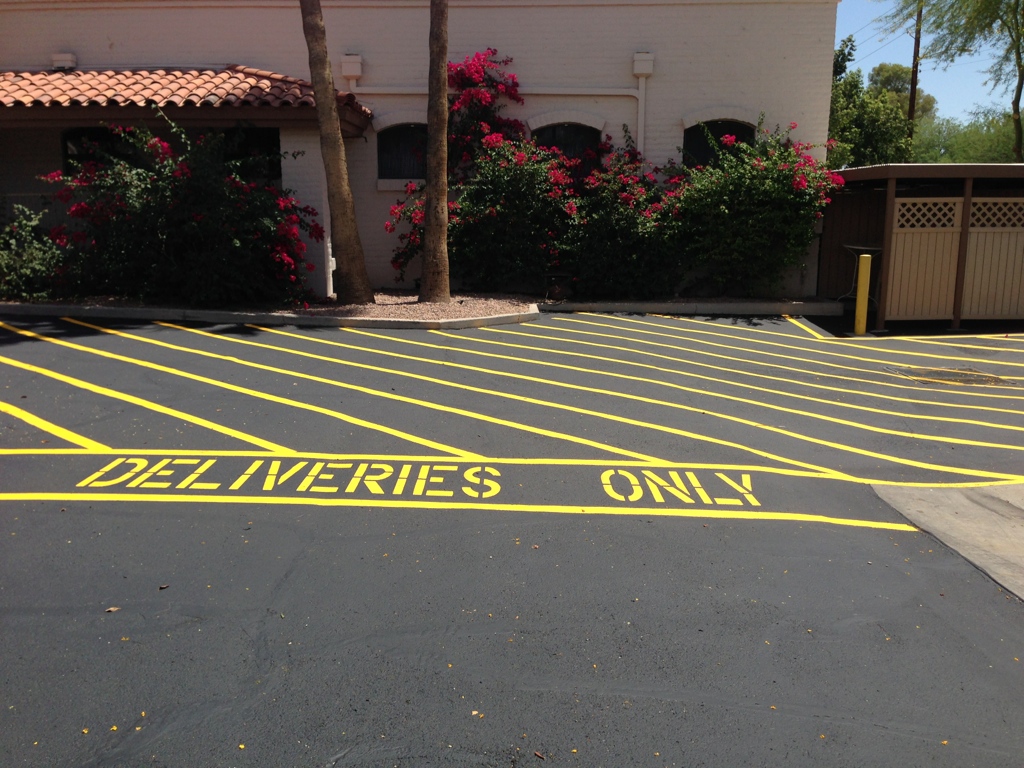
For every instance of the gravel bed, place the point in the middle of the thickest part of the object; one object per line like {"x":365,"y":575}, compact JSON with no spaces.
{"x":397,"y":305}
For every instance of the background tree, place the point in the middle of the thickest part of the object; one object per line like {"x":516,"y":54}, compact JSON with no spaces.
{"x":865,"y":127}
{"x":351,"y":281}
{"x":893,"y":80}
{"x":986,"y":138}
{"x":434,"y":281}
{"x":965,"y":27}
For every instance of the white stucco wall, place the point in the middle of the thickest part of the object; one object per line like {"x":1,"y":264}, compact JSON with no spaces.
{"x":713,"y":59}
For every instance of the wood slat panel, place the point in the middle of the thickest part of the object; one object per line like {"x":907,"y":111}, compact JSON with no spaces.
{"x":926,"y":236}
{"x":995,"y":271}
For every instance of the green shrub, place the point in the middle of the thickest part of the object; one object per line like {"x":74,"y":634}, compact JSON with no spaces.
{"x":28,"y":258}
{"x":509,"y":224}
{"x":182,"y":226}
{"x":745,"y":219}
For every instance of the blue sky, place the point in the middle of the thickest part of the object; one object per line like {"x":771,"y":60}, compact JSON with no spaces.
{"x":958,"y":89}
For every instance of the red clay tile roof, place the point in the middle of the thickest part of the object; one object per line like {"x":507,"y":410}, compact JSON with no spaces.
{"x":230,"y":87}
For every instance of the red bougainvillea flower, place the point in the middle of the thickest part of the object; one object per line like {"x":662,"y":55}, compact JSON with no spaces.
{"x":493,"y":140}
{"x":728,"y":140}
{"x":792,"y":126}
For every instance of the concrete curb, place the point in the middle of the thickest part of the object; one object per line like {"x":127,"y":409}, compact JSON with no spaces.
{"x":262,"y":318}
{"x":702,"y":307}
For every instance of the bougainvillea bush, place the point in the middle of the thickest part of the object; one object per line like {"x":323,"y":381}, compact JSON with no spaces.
{"x":618,"y":246}
{"x":512,"y":217}
{"x":750,"y":215}
{"x":522,"y":219}
{"x":181,"y":224}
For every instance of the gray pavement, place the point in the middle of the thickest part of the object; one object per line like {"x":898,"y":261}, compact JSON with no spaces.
{"x":588,"y":540}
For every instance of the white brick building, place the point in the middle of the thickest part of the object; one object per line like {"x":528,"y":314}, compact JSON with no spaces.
{"x":658,"y":66}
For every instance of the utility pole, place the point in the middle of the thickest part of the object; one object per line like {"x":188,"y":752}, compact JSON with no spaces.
{"x":912,"y":106}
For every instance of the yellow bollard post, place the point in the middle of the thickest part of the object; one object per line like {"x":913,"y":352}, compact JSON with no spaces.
{"x":860,"y":322}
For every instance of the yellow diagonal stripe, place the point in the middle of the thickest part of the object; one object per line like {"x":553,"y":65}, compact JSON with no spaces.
{"x":381,"y":393}
{"x":235,"y":388}
{"x":48,"y":426}
{"x":148,"y":404}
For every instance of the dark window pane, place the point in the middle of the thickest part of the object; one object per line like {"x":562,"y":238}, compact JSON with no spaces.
{"x":402,"y":152}
{"x":259,"y":148}
{"x":696,"y":148}
{"x":579,"y":142}
{"x":96,"y":144}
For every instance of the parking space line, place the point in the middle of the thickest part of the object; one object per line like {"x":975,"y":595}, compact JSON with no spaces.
{"x":391,"y":395}
{"x":788,"y":357}
{"x":758,"y":388}
{"x":719,"y":514}
{"x":574,"y":341}
{"x":844,"y":342}
{"x":147,"y":404}
{"x":48,"y":426}
{"x":427,"y":443}
{"x":802,"y":326}
{"x":552,"y":404}
{"x":727,"y":417}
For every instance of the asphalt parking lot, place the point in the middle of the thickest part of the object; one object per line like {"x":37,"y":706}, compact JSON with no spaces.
{"x":592,"y":540}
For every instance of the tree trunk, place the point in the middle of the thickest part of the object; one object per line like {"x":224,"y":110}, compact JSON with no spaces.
{"x":434,"y":283}
{"x":1017,"y":133}
{"x":351,"y":281}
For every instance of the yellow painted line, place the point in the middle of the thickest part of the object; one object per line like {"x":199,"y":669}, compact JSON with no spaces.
{"x":704,"y":411}
{"x":504,"y":461}
{"x":235,"y":388}
{"x":547,"y":403}
{"x":758,"y":388}
{"x":48,"y":426}
{"x":147,"y":404}
{"x":957,"y":343}
{"x":903,"y":353}
{"x":448,"y":505}
{"x":575,"y":342}
{"x":790,"y":357}
{"x":804,"y":327}
{"x":850,"y":340}
{"x":476,"y":415}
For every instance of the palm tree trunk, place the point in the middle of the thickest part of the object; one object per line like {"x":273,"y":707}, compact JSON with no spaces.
{"x":434,"y":283}
{"x":351,"y":281}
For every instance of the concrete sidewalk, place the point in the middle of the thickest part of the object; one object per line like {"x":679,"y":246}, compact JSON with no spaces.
{"x":724,"y":307}
{"x":985,"y":525}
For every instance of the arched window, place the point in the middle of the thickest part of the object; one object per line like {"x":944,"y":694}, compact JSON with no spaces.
{"x":579,"y":142}
{"x":402,"y":152}
{"x":697,"y":150}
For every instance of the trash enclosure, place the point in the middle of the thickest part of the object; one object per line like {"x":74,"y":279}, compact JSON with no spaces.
{"x":947,"y":241}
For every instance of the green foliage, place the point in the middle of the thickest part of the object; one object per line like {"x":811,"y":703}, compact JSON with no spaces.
{"x":986,"y":138}
{"x":893,"y":80}
{"x":865,"y":128}
{"x":510,"y":221}
{"x":28,"y":258}
{"x":965,"y":27}
{"x":182,"y":226}
{"x":732,"y":227}
{"x":749,"y":216}
{"x":621,"y":243}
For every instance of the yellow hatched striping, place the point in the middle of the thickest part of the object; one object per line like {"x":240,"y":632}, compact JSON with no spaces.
{"x":235,"y":388}
{"x":147,"y":404}
{"x":48,"y":426}
{"x":842,"y":355}
{"x":549,"y":335}
{"x":789,"y":358}
{"x":390,"y":395}
{"x":781,"y":393}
